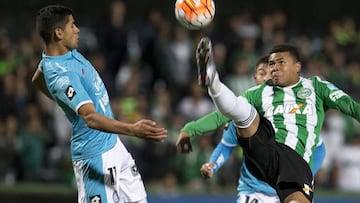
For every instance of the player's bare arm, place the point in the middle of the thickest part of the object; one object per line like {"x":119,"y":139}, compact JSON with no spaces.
{"x":145,"y":129}
{"x":183,"y":142}
{"x":39,"y":81}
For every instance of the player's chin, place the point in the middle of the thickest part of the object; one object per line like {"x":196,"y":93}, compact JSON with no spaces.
{"x":75,"y":43}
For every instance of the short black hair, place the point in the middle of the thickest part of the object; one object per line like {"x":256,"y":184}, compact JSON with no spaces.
{"x":294,"y":52}
{"x":261,"y":60}
{"x":50,"y":17}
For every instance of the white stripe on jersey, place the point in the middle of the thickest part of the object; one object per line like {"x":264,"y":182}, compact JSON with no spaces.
{"x":311,"y":121}
{"x":290,"y":118}
{"x":267,"y":98}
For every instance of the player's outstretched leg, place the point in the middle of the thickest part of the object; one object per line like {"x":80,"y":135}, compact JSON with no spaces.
{"x":236,"y":108}
{"x":205,"y":62}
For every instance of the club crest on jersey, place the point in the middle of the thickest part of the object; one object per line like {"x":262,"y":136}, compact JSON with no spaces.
{"x":70,"y":92}
{"x":95,"y":199}
{"x":304,"y":93}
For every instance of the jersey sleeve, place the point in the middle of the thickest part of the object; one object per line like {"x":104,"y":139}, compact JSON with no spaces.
{"x":254,"y":97}
{"x":335,"y":98}
{"x":68,"y":90}
{"x":224,"y":148}
{"x":208,"y":123}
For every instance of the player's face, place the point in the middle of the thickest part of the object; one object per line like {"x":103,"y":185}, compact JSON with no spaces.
{"x":71,"y":34}
{"x":262,"y":73}
{"x":284,"y":69}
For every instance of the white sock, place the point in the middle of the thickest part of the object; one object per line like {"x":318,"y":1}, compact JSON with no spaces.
{"x":236,"y":108}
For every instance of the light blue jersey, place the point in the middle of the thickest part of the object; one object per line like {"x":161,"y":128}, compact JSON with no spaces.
{"x":249,"y":184}
{"x":72,"y":81}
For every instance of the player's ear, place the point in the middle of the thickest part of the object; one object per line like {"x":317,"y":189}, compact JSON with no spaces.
{"x":58,"y":34}
{"x":298,"y":67}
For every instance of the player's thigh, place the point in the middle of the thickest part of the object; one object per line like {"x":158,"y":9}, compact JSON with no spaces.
{"x":109,"y":177}
{"x":128,"y":178}
{"x":131,"y":185}
{"x":257,"y":198}
{"x":94,"y":181}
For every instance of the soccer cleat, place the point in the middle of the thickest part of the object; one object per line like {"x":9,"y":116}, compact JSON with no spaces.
{"x":205,"y":62}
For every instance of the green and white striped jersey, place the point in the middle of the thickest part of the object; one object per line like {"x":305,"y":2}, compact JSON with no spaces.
{"x":297,"y":112}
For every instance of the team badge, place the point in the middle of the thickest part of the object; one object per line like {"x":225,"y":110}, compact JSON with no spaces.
{"x":95,"y":199}
{"x":70,"y":92}
{"x":304,"y":93}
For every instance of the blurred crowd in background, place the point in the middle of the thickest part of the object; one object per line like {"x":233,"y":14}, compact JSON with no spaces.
{"x":149,"y":69}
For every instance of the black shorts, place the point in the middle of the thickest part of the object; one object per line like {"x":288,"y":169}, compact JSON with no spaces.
{"x":275,"y":163}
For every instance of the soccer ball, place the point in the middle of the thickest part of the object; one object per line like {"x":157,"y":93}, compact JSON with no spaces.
{"x":194,"y":14}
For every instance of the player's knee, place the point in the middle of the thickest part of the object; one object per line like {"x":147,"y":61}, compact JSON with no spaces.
{"x":249,"y":130}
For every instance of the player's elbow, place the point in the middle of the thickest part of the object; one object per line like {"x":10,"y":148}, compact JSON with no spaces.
{"x":91,"y":120}
{"x":35,"y":80}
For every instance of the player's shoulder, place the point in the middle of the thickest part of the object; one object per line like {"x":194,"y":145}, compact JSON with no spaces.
{"x":319,"y":82}
{"x":317,"y":79}
{"x":257,"y":87}
{"x":76,"y":54}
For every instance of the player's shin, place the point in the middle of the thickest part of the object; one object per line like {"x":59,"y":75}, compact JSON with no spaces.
{"x":236,"y":108}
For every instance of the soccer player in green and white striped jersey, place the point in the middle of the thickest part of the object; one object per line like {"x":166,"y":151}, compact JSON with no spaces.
{"x":278,"y":123}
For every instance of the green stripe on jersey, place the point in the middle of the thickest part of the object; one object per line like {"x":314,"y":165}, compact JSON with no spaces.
{"x":279,"y":120}
{"x":301,"y":120}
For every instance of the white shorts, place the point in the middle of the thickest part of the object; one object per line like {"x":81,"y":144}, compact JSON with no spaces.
{"x":258,"y":198}
{"x":111,"y":177}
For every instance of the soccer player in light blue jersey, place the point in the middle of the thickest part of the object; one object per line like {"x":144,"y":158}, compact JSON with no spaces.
{"x":250,"y":189}
{"x":105,"y":171}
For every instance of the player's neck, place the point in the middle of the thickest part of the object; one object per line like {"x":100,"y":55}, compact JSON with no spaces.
{"x":54,"y":49}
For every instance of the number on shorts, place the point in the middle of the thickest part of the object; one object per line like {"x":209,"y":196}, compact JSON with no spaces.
{"x":248,"y":200}
{"x":112,"y":171}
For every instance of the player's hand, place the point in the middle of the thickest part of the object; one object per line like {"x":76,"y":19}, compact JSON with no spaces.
{"x":183,"y":143}
{"x":207,"y":170}
{"x":147,"y":129}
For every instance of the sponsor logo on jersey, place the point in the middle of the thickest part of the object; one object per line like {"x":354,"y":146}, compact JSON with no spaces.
{"x":95,"y":199}
{"x":336,"y":95}
{"x":304,"y":93}
{"x":70,"y":92}
{"x":134,"y":170}
{"x":290,"y":109}
{"x":98,"y":84}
